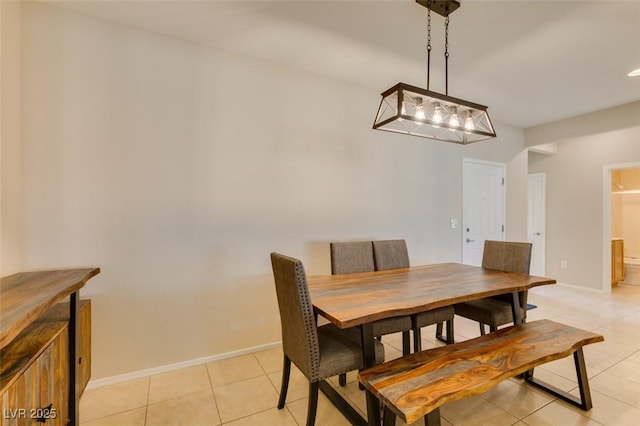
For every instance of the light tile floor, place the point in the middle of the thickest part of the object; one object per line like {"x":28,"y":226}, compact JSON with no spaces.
{"x":244,"y":390}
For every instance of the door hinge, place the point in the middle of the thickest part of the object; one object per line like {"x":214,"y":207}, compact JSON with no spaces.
{"x":503,"y":228}
{"x":502,"y":181}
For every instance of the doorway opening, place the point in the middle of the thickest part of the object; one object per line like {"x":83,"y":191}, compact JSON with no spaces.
{"x":621,"y":228}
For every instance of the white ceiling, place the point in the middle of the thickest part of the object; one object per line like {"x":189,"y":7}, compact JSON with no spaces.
{"x":531,"y":62}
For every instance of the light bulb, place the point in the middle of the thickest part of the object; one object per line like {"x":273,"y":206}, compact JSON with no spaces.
{"x":437,"y":113}
{"x":419,"y":111}
{"x":468,"y":121}
{"x":453,"y":121}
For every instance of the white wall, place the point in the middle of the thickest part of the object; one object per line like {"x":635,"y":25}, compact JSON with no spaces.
{"x":10,"y":138}
{"x":178,"y":169}
{"x":574,"y":204}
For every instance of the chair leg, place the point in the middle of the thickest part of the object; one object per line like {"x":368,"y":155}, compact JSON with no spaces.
{"x":493,"y":328}
{"x":482,"y":332}
{"x":439,"y":332}
{"x":417,"y":339}
{"x":406,"y":343}
{"x":313,"y":403}
{"x":286,"y":372}
{"x":450,"y":339}
{"x":342,"y":379}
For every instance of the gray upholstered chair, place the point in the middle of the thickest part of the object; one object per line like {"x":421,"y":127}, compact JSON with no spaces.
{"x":319,"y":352}
{"x":393,"y":254}
{"x":496,"y":310}
{"x":357,"y":256}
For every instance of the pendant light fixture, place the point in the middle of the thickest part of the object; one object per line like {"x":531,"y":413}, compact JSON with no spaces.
{"x":415,"y":111}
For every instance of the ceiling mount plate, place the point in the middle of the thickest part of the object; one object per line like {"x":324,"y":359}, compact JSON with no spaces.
{"x":443,"y":8}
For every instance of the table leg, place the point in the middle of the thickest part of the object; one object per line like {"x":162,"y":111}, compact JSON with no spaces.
{"x":74,"y":354}
{"x":369,"y":360}
{"x":515,"y":308}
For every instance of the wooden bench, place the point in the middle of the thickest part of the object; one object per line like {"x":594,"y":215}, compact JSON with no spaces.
{"x":416,"y":385}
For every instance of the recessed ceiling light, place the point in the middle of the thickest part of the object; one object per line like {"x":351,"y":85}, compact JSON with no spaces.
{"x":634,"y":73}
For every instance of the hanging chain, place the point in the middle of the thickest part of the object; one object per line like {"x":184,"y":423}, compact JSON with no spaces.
{"x":428,"y":46}
{"x":446,"y":55}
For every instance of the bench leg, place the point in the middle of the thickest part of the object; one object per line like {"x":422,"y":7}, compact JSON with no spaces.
{"x":433,"y":418}
{"x":583,"y":380}
{"x":584,"y":401}
{"x":388,"y":417}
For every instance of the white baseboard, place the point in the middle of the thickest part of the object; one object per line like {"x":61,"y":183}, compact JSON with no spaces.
{"x":178,"y":365}
{"x":579,"y":287}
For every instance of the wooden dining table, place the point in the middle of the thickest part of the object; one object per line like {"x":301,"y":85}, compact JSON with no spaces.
{"x":357,"y":300}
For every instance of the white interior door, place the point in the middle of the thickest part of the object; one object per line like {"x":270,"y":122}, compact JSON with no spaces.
{"x":536,"y":222}
{"x":482,"y":207}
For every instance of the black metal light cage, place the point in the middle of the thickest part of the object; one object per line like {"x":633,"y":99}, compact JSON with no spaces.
{"x":414,"y":111}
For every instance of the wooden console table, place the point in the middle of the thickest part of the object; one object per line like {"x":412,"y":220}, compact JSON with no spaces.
{"x":24,"y":299}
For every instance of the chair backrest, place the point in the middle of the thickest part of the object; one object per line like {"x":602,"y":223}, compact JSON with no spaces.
{"x":351,"y":257}
{"x":297,"y":321}
{"x":507,"y":256}
{"x":390,"y":254}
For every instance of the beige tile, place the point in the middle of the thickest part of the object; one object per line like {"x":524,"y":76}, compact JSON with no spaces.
{"x":244,"y":398}
{"x":620,"y":388}
{"x":352,"y":377}
{"x":270,"y":360}
{"x":610,"y":411}
{"x":566,"y":367}
{"x":234,"y":370}
{"x":517,"y":399}
{"x":298,"y":384}
{"x":558,"y":413}
{"x":603,"y":355}
{"x":553,"y":379}
{"x":627,"y":370}
{"x":174,"y":384}
{"x":193,"y":409}
{"x":583,"y":319}
{"x":475,"y":411}
{"x":635,"y":358}
{"x":272,"y":417}
{"x":114,"y":399}
{"x":420,"y":422}
{"x":327,"y":414}
{"x":391,"y":352}
{"x":128,"y":418}
{"x":355,"y":396}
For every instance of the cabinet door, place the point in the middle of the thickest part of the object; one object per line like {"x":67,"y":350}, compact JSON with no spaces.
{"x":39,"y":395}
{"x":617,"y":261}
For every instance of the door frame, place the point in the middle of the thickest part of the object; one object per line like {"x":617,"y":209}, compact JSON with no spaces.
{"x":606,"y":220}
{"x":502,"y":166}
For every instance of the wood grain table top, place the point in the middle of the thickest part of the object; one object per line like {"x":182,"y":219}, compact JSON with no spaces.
{"x":415,"y":385}
{"x":350,"y":300}
{"x":27,"y":295}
